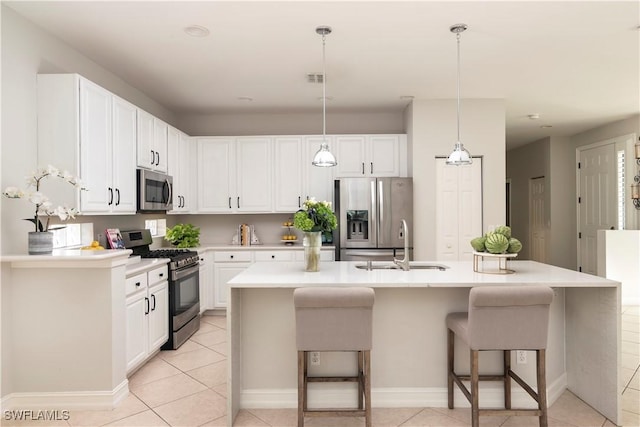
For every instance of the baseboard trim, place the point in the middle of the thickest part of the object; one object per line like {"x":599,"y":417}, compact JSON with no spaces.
{"x":491,"y":395}
{"x":71,"y":400}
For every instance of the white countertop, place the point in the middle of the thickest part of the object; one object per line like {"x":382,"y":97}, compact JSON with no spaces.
{"x":460,"y":274}
{"x":137,"y":265}
{"x":266,"y":247}
{"x":70,"y":258}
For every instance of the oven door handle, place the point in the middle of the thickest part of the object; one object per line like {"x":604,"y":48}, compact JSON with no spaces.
{"x":179,"y":274}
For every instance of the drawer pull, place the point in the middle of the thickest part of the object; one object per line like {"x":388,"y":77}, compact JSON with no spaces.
{"x":161,"y":275}
{"x":137,"y":284}
{"x":273,"y":257}
{"x":231,"y":256}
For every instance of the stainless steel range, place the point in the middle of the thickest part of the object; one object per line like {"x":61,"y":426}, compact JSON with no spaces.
{"x":184,"y":285}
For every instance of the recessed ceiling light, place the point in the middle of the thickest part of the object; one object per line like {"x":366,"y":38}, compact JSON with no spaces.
{"x":534,"y":116}
{"x":545,"y":126}
{"x":245,"y":98}
{"x":196,"y":31}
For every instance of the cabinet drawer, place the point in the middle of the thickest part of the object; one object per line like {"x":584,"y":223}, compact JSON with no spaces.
{"x":157,"y":275}
{"x":232,"y":256}
{"x":274,"y":255}
{"x":135,"y":283}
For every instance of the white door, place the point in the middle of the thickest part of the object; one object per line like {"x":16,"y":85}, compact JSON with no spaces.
{"x":597,"y":207}
{"x":458,"y":209}
{"x":96,"y":146}
{"x":124,"y":155}
{"x":216,"y":167}
{"x":137,"y":325}
{"x":158,"y":315}
{"x":253,"y":175}
{"x":223,"y":272}
{"x":145,"y":145}
{"x":383,"y":155}
{"x":350,"y":154}
{"x":288,"y":174}
{"x":160,"y":145}
{"x":537,"y":223}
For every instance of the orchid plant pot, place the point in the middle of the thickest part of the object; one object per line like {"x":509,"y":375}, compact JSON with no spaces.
{"x":40,"y":242}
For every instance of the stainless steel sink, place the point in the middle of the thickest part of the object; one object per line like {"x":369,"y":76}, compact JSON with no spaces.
{"x":414,"y":265}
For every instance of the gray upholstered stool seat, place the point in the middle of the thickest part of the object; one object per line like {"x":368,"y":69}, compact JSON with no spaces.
{"x":334,"y":319}
{"x":502,"y":318}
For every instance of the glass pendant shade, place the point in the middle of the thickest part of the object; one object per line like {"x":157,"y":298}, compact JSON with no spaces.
{"x":459,"y":156}
{"x":323,"y":157}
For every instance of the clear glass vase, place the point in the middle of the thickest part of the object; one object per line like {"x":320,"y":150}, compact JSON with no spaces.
{"x":312,"y":243}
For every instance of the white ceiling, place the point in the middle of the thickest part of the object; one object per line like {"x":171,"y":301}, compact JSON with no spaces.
{"x":576,"y":63}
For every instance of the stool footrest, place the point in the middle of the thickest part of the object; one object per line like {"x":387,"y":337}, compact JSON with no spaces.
{"x":337,"y":412}
{"x":482,"y":377}
{"x":511,"y":412}
{"x":332,"y":379}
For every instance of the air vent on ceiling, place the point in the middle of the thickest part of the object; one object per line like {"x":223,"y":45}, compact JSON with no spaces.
{"x":314,"y":78}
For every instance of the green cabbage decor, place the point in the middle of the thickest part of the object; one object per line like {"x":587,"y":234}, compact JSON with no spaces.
{"x":505,"y":230}
{"x":514,"y":246}
{"x":478,"y":244}
{"x":496,"y":243}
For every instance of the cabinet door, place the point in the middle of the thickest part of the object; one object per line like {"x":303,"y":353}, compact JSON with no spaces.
{"x":174,"y":166}
{"x":137,"y":325}
{"x":254,"y":164}
{"x":318,"y":180}
{"x":288,"y":173}
{"x":158,"y":315}
{"x":383,"y":155}
{"x":95,"y":152}
{"x":223,"y":272}
{"x":145,"y":149}
{"x":216,"y":168}
{"x":124,"y":152}
{"x":206,"y":282}
{"x":160,"y":145}
{"x":186,"y":174}
{"x":351,"y":156}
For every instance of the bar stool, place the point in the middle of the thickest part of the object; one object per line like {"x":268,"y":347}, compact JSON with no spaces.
{"x":334,"y":319}
{"x":502,"y":318}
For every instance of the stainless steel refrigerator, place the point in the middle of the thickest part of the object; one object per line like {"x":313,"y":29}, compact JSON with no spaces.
{"x":370,"y":211}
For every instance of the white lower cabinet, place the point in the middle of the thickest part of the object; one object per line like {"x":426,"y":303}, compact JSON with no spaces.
{"x":228,"y":264}
{"x":147,"y":301}
{"x":206,"y":281}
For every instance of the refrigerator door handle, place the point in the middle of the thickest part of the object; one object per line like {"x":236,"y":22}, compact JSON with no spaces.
{"x":373,"y":224}
{"x":380,"y":204}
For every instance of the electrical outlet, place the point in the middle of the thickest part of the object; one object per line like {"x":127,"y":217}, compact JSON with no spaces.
{"x":521,"y":357}
{"x":315,"y":358}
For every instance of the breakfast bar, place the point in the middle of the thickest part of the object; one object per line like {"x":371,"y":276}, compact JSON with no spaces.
{"x":408,"y":358}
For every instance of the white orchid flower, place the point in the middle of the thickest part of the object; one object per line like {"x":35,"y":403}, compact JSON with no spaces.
{"x":13,"y":193}
{"x":37,"y":198}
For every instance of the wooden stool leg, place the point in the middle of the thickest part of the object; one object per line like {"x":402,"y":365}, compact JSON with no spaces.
{"x":367,"y":388}
{"x":542,"y":385}
{"x":507,"y":379}
{"x":301,"y":387}
{"x":360,"y":355}
{"x":475,"y":410}
{"x":450,"y":354}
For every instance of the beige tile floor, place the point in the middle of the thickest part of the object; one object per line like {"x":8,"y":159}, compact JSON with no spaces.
{"x":187,"y":387}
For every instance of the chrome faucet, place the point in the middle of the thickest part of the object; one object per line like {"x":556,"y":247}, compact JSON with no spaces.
{"x":404,"y":263}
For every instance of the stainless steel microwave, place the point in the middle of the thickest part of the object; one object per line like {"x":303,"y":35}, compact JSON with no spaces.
{"x":155,"y":191}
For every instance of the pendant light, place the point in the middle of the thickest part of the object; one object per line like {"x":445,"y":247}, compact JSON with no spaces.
{"x":459,"y":156}
{"x":323,"y":157}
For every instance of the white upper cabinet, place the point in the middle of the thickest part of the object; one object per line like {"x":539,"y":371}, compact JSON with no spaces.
{"x":235,"y":174}
{"x":369,"y":155}
{"x":181,"y":169}
{"x":87,"y":131}
{"x":152,"y":142}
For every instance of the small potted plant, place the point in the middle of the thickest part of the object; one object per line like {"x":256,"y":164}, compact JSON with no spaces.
{"x":183,"y":236}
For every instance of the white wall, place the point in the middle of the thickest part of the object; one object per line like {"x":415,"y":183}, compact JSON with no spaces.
{"x":433,"y":134}
{"x":562,"y":241}
{"x":290,"y":123}
{"x":618,"y":254}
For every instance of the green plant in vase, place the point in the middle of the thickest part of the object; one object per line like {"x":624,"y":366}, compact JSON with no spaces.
{"x":314,"y":219}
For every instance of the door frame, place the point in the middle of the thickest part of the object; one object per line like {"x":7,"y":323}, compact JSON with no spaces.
{"x":627,"y":142}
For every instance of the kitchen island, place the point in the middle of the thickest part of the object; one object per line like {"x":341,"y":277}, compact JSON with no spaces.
{"x":409,"y":336}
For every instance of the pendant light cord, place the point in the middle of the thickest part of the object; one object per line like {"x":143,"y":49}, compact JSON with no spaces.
{"x":324,"y":94}
{"x":458,"y":42}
